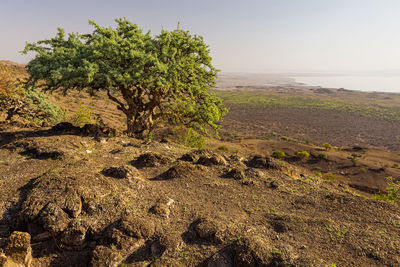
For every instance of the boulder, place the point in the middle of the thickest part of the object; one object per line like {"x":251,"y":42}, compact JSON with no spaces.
{"x":122,"y":172}
{"x":105,"y":257}
{"x":211,"y":160}
{"x":136,"y":227}
{"x":19,"y":248}
{"x":149,"y":160}
{"x":53,"y":218}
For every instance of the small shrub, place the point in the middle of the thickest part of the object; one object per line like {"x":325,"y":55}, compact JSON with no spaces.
{"x":302,"y":154}
{"x":317,"y":173}
{"x":354,"y":161}
{"x":39,"y":99}
{"x":285,"y":138}
{"x":363,"y":169}
{"x":327,"y":146}
{"x":149,"y":137}
{"x":393,"y":191}
{"x":194,"y":140}
{"x":82,"y":116}
{"x":323,"y":156}
{"x":223,"y":148}
{"x":278,"y":154}
{"x":329,"y":176}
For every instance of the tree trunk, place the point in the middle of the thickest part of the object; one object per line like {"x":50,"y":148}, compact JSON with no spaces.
{"x":138,"y":127}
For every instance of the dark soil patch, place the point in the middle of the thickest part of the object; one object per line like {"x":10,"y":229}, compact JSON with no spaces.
{"x":149,"y":160}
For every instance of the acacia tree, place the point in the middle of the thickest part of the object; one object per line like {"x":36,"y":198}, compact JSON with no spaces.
{"x":150,"y":78}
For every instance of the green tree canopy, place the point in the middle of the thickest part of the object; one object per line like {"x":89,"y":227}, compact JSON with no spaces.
{"x":150,"y":78}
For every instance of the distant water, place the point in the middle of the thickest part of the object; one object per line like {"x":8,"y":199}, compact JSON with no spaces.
{"x":384,"y":83}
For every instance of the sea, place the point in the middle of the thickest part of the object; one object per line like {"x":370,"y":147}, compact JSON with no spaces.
{"x":378,"y":83}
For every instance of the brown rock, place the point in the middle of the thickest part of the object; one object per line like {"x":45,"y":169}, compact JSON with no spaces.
{"x":7,"y":262}
{"x":220,"y":259}
{"x":208,"y":229}
{"x":161,"y":210}
{"x":53,"y":218}
{"x":122,"y":172}
{"x":166,"y":243}
{"x":105,"y":257}
{"x":161,"y":262}
{"x":73,"y":203}
{"x":212,"y":160}
{"x":149,"y":160}
{"x":74,"y":235}
{"x":252,"y":251}
{"x":180,"y":170}
{"x":19,"y":248}
{"x":235,"y":173}
{"x":42,"y":237}
{"x":137,"y":227}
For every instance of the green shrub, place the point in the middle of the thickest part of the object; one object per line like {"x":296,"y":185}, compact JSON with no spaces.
{"x":363,"y":169}
{"x":329,"y":176}
{"x":223,"y":148}
{"x":317,"y":173}
{"x":302,"y":154}
{"x":39,"y":99}
{"x":278,"y":154}
{"x":285,"y":138}
{"x":82,"y":116}
{"x":393,"y":191}
{"x":149,"y":137}
{"x":193,"y":139}
{"x":327,"y":146}
{"x":323,"y":156}
{"x":354,"y":161}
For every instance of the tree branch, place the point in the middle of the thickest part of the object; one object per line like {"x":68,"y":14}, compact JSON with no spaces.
{"x":121,"y":105}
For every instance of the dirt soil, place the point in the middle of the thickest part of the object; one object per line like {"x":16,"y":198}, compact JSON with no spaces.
{"x":91,"y":196}
{"x":169,"y":206}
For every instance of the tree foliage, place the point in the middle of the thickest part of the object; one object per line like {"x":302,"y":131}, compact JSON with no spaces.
{"x":150,"y":78}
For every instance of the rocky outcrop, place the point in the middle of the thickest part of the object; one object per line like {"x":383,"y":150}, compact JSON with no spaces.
{"x":18,"y":251}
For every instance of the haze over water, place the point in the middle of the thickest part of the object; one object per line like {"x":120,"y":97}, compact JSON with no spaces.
{"x":378,"y":83}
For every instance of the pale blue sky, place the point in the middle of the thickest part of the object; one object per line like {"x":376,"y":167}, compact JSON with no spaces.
{"x":252,"y":35}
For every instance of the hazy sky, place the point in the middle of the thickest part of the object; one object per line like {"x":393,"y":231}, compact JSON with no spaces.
{"x":252,"y":35}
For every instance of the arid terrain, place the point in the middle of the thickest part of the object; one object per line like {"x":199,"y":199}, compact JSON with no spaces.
{"x":91,"y":196}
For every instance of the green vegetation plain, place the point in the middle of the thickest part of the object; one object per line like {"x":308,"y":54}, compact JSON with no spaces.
{"x":265,"y":100}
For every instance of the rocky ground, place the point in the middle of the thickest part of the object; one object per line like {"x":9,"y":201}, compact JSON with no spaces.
{"x":91,"y":196}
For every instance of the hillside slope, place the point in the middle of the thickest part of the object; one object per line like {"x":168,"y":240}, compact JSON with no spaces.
{"x":87,"y":197}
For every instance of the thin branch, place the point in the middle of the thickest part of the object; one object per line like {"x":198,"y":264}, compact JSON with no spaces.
{"x":121,"y":106}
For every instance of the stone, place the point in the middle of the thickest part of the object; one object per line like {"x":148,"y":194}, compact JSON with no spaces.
{"x":53,"y":218}
{"x":136,"y":227}
{"x":208,"y":229}
{"x":42,"y":237}
{"x":105,"y":257}
{"x":7,"y":262}
{"x":149,"y":160}
{"x":122,"y":172}
{"x":220,"y":259}
{"x":73,"y":203}
{"x":161,"y":210}
{"x":212,"y":160}
{"x":235,"y":173}
{"x":19,"y":248}
{"x":74,"y":235}
{"x":166,"y":243}
{"x":167,"y":262}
